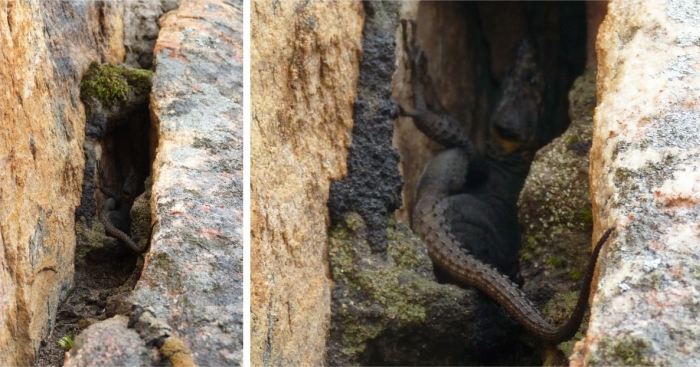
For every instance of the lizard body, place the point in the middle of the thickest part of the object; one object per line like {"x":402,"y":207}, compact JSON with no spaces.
{"x":116,"y":224}
{"x":470,"y":223}
{"x":114,"y":212}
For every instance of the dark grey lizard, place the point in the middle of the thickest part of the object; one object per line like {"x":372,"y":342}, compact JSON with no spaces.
{"x":114,"y":212}
{"x":468,"y":226}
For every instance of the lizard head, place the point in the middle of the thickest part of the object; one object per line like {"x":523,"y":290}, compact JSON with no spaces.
{"x":520,"y":106}
{"x":131,"y":185}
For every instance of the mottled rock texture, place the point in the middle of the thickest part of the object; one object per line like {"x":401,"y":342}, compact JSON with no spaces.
{"x":44,"y":49}
{"x":372,"y":187}
{"x":141,"y":29}
{"x":644,"y":181}
{"x":304,"y":68}
{"x":555,"y":211}
{"x":193,"y":276}
{"x":390,"y":310}
{"x":104,"y":343}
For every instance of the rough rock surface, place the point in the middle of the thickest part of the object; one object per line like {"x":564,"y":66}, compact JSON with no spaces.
{"x":372,"y":187}
{"x":555,"y":211}
{"x":390,"y":310}
{"x":644,"y":181}
{"x":141,"y":29}
{"x":304,"y":69}
{"x":193,"y":276}
{"x":104,"y":343}
{"x":44,"y":49}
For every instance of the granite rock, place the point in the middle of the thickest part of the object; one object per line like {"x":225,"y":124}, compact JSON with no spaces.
{"x":45,"y":47}
{"x":304,"y":69}
{"x":644,"y":181}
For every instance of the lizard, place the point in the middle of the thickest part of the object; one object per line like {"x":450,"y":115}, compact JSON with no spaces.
{"x":470,"y":227}
{"x":114,"y":212}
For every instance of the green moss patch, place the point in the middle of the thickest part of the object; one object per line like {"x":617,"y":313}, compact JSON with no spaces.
{"x":111,"y":84}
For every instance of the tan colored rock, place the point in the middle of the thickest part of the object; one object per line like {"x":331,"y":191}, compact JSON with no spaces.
{"x":595,"y":13}
{"x":304,"y":68}
{"x":645,"y":182}
{"x":44,"y":48}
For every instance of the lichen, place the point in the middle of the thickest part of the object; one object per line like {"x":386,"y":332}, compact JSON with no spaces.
{"x":111,"y":84}
{"x":558,"y":310}
{"x":395,"y":291}
{"x":628,"y":351}
{"x":91,"y":236}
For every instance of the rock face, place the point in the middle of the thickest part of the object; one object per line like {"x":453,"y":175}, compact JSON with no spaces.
{"x":373,"y":185}
{"x":44,"y":47}
{"x":389,"y":309}
{"x":114,"y":337}
{"x":304,"y":69}
{"x":193,"y":276}
{"x":555,"y":211}
{"x":644,"y":181}
{"x":141,"y":29}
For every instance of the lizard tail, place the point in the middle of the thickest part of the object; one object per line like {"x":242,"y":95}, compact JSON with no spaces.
{"x":114,"y":231}
{"x":447,"y":254}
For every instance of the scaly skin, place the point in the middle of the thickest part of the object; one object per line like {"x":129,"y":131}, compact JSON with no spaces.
{"x":114,"y":215}
{"x":458,"y":221}
{"x":109,"y":207}
{"x":445,"y":173}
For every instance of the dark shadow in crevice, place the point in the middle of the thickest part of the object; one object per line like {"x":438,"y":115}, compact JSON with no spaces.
{"x":117,"y":158}
{"x":469,"y":47}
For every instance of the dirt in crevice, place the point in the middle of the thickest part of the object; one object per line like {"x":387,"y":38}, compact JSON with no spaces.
{"x":119,"y":159}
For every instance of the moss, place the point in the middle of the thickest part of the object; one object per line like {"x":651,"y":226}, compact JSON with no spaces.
{"x":556,"y":262}
{"x":111,"y":84}
{"x":391,"y":289}
{"x":629,"y":351}
{"x":560,"y":306}
{"x":575,"y":275}
{"x":586,"y":216}
{"x":531,"y":246}
{"x":356,"y":335}
{"x":93,"y":237}
{"x":572,"y":139}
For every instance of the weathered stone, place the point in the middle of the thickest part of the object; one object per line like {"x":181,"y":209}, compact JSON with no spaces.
{"x":44,"y":47}
{"x":555,"y":211}
{"x":141,"y":216}
{"x":105,"y":343}
{"x":304,"y":68}
{"x":372,"y":187}
{"x":193,"y":276}
{"x":644,"y":181}
{"x":141,"y":29}
{"x":390,"y":310}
